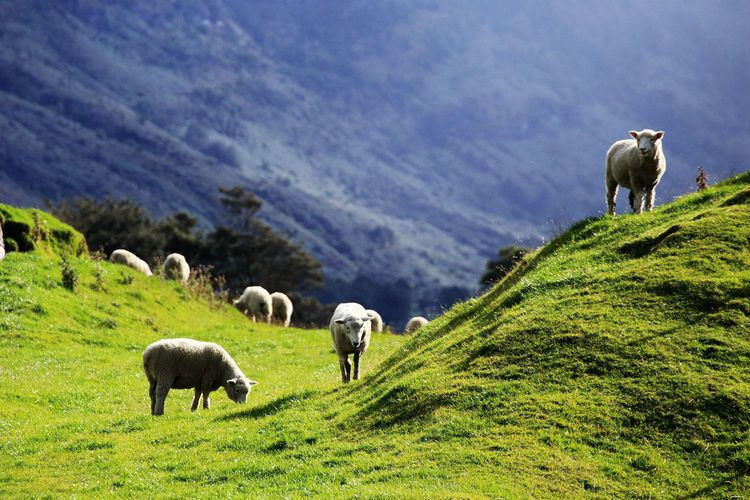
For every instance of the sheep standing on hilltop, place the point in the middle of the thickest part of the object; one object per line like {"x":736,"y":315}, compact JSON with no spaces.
{"x":255,"y":302}
{"x":377,"y":320}
{"x":176,"y":267}
{"x":2,"y":246}
{"x":350,"y":330}
{"x":415,"y":324}
{"x":282,"y":308}
{"x":187,"y":364}
{"x":129,"y":259}
{"x":636,"y":165}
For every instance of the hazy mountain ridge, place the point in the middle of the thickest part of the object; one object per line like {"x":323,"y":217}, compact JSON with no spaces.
{"x":400,"y":139}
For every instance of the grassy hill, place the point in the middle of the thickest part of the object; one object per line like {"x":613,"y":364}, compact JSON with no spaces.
{"x":613,"y":363}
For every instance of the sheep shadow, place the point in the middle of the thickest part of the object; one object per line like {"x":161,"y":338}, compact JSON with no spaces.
{"x":270,"y":408}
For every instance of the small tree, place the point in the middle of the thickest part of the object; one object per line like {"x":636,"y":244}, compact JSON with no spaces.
{"x":69,"y":275}
{"x":702,"y":179}
{"x":508,"y":258}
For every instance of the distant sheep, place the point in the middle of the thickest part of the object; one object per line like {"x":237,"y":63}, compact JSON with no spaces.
{"x":377,"y":321}
{"x":187,"y":364}
{"x":129,"y":259}
{"x":350,"y":330}
{"x":282,"y":308}
{"x":176,"y":267}
{"x":415,"y":324}
{"x":256,"y":303}
{"x":636,"y":165}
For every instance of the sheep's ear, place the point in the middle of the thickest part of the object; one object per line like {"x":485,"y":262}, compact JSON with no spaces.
{"x":339,"y":321}
{"x":231,"y":381}
{"x":368,"y":318}
{"x":659,"y":134}
{"x":633,"y":134}
{"x":252,"y":382}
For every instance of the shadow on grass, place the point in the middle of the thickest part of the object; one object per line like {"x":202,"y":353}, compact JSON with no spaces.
{"x":714,"y":489}
{"x":271,"y":407}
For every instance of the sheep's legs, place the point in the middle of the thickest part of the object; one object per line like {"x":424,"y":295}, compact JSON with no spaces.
{"x":357,"y":355}
{"x":196,"y":398}
{"x":611,"y":196}
{"x":152,"y":394}
{"x":161,"y":394}
{"x":346,"y":369}
{"x":650,"y":199}
{"x":636,"y":200}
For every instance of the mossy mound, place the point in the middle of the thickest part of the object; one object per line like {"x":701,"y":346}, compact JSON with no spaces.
{"x":30,"y":229}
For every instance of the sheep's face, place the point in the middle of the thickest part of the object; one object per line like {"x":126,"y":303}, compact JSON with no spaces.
{"x":239,"y":388}
{"x":355,"y":328}
{"x":647,"y":141}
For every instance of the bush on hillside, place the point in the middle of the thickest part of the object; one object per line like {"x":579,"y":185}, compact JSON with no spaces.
{"x":507,"y":258}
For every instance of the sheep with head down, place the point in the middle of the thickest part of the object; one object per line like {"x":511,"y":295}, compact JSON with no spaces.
{"x":415,"y":324}
{"x":176,"y":267}
{"x":637,"y":165}
{"x":282,"y":308}
{"x":350,"y":330}
{"x":377,"y":321}
{"x":187,"y":364}
{"x":125,"y":257}
{"x":256,"y":303}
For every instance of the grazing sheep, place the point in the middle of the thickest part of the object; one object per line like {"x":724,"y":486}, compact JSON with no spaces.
{"x":256,"y":303}
{"x":350,"y":331}
{"x":415,"y":324}
{"x":377,"y":321}
{"x":636,"y":165}
{"x":176,"y":267}
{"x":282,"y":308}
{"x":129,"y":259}
{"x":186,"y":364}
{"x":2,"y":246}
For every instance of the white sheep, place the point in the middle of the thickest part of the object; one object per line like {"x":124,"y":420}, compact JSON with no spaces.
{"x":282,"y":308}
{"x":377,"y":320}
{"x":129,"y":259}
{"x":176,"y":267}
{"x":187,"y":364}
{"x":350,"y":330}
{"x":256,"y":303}
{"x":415,"y":324}
{"x":2,"y":246}
{"x":636,"y":165}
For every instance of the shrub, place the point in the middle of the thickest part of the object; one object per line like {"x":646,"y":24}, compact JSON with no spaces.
{"x":69,"y":275}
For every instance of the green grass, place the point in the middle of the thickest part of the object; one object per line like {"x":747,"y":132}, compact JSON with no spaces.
{"x":614,"y":363}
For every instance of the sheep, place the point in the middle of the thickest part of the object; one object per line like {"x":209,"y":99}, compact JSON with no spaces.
{"x":2,"y":246}
{"x":282,"y":308}
{"x":636,"y":165}
{"x":415,"y":324}
{"x":350,"y":331}
{"x":377,"y":321}
{"x":256,"y":303}
{"x":176,"y":267}
{"x":186,"y":364}
{"x":129,"y":259}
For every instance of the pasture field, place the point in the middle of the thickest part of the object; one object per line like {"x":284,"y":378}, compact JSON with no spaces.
{"x":614,"y":362}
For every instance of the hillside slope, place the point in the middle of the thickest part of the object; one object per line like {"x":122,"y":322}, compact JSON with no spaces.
{"x":613,"y":363}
